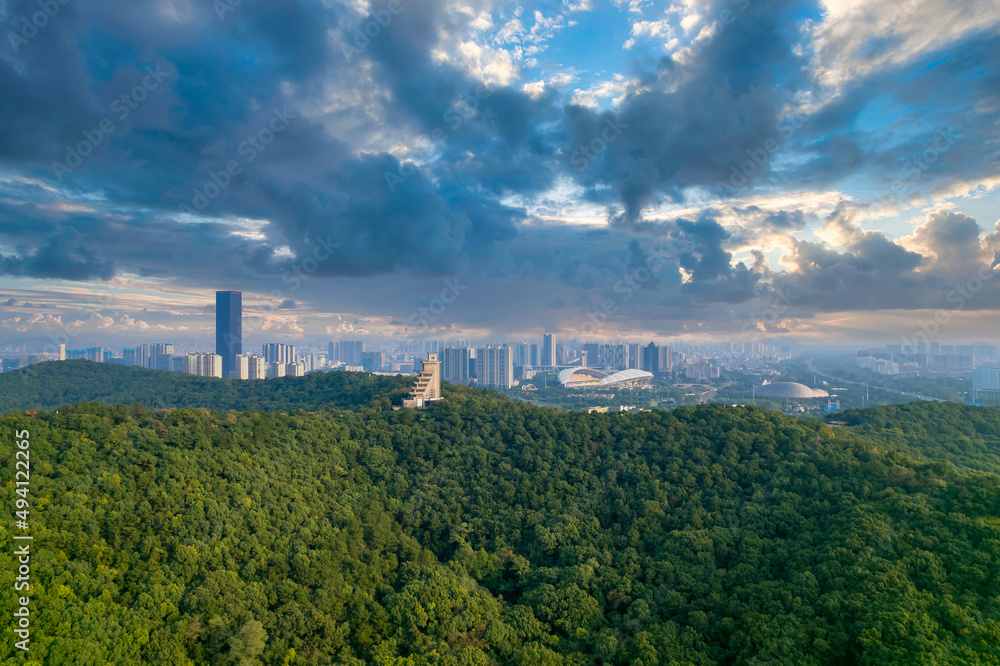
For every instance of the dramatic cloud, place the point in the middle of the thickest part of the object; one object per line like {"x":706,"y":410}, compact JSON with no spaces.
{"x":686,"y":163}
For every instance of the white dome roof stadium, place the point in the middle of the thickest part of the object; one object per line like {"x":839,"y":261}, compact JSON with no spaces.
{"x":591,"y":378}
{"x":789,"y":390}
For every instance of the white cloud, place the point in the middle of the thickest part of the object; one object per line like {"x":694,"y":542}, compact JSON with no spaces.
{"x":648,"y":30}
{"x":858,"y":37}
{"x":613,"y":89}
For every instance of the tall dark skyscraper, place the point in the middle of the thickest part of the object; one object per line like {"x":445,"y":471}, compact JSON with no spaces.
{"x":228,"y":328}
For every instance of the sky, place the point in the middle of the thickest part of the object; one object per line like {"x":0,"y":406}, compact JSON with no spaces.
{"x":824,"y":172}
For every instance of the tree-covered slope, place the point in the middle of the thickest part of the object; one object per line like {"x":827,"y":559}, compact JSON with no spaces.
{"x":965,"y":435}
{"x":54,"y":384}
{"x":486,"y":531}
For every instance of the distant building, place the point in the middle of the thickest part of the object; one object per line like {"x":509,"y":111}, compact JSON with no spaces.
{"x":204,"y":365}
{"x":985,"y":383}
{"x":701,"y":370}
{"x":62,"y":351}
{"x":651,"y":358}
{"x":275,"y":352}
{"x":296,"y":370}
{"x":136,"y":356}
{"x":875,"y":363}
{"x":522,"y":353}
{"x":257,"y":367}
{"x":159,"y":356}
{"x":275,"y":370}
{"x":348,"y":352}
{"x":374,"y":361}
{"x":666,"y":359}
{"x":495,"y":366}
{"x":242,"y":367}
{"x":228,"y":328}
{"x":548,"y":350}
{"x":428,"y":386}
{"x":455,"y":364}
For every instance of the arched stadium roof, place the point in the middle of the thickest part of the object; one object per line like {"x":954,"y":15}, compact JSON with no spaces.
{"x":625,"y":376}
{"x":567,"y":374}
{"x":789,"y":390}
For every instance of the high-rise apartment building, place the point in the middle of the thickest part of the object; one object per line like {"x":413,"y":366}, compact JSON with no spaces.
{"x":203,"y":365}
{"x":136,"y":356}
{"x":522,"y":353}
{"x":257,"y":367}
{"x":455,"y":364}
{"x":666,"y":359}
{"x":159,"y":356}
{"x":228,"y":328}
{"x":348,"y":352}
{"x":548,"y":350}
{"x":242,"y":369}
{"x":275,"y":352}
{"x":495,"y":366}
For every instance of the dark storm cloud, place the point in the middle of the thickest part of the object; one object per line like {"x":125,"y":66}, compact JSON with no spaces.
{"x":61,"y":257}
{"x":224,"y":89}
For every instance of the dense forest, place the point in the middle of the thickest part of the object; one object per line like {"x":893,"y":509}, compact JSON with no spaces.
{"x":965,"y":435}
{"x":51,"y":385}
{"x":487,"y":531}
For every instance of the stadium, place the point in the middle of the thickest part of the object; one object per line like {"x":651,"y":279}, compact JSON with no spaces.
{"x":591,"y":378}
{"x":792,"y":390}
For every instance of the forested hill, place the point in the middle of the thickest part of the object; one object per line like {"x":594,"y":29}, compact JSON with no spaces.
{"x":965,"y":435}
{"x":485,"y":531}
{"x":51,"y":385}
